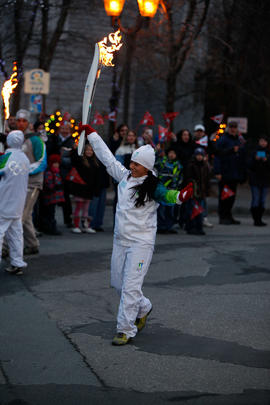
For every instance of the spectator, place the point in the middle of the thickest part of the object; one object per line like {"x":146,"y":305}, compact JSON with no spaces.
{"x":83,"y":186}
{"x":230,"y":170}
{"x":199,"y":174}
{"x":259,"y":179}
{"x":35,"y":150}
{"x":117,"y":138}
{"x":14,"y":172}
{"x":170,"y":173}
{"x":52,"y":195}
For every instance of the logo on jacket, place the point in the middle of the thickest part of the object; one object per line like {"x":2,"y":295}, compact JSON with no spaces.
{"x":140,"y":265}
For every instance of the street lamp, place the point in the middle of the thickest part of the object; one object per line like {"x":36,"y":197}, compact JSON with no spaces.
{"x":113,"y":8}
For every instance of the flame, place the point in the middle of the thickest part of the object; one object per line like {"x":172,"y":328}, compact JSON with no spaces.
{"x":106,"y":52}
{"x":8,"y":88}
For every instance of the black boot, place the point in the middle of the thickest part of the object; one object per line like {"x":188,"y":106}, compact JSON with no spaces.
{"x":260,"y":214}
{"x":256,"y":215}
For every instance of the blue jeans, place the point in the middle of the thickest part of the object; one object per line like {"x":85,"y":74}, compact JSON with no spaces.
{"x":97,"y":209}
{"x":258,"y":196}
{"x":165,"y":217}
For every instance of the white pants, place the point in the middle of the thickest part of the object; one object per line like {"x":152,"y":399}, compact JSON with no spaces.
{"x":129,"y":266}
{"x":13,"y":232}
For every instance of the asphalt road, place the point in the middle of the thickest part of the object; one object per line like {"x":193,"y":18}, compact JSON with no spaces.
{"x":206,"y":341}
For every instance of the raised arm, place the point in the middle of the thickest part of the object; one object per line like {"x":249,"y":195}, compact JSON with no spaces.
{"x":113,"y":167}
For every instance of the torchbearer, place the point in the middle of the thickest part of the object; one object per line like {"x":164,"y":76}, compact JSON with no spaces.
{"x":103,"y":56}
{"x":139,"y":194}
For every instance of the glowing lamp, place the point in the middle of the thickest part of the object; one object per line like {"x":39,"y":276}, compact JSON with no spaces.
{"x":148,"y":8}
{"x":114,"y":7}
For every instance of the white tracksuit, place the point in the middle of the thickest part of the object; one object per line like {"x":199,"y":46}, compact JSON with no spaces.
{"x":134,"y":239}
{"x":14,"y":172}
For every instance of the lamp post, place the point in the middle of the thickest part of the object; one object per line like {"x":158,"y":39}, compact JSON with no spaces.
{"x":113,"y":8}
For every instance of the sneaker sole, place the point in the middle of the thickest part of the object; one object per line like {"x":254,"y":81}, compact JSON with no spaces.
{"x":16,"y":273}
{"x":148,"y":313}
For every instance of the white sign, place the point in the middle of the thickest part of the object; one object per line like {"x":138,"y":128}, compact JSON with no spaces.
{"x":242,"y":123}
{"x":36,"y":81}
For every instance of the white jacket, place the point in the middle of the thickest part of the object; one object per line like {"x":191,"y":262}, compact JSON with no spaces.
{"x":14,"y":172}
{"x":132,"y":225}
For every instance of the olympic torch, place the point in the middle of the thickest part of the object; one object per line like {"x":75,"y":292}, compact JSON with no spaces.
{"x":7,"y":90}
{"x":103,"y":56}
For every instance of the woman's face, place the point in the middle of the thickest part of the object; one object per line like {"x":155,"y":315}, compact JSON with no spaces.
{"x":123,"y":131}
{"x":185,"y":136}
{"x":137,"y":170}
{"x":88,"y":151}
{"x":131,"y":137}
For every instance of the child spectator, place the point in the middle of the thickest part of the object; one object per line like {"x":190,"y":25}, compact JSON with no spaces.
{"x":52,"y":195}
{"x":199,"y":174}
{"x":170,"y":173}
{"x":14,"y":172}
{"x":83,"y":186}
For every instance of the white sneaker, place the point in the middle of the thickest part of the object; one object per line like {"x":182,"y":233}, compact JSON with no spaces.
{"x":206,"y":223}
{"x":90,"y":230}
{"x":76,"y":230}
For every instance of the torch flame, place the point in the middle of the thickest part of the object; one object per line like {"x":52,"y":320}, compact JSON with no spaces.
{"x":106,"y":52}
{"x":8,"y":88}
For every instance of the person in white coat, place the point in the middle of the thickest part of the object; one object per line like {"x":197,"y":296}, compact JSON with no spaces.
{"x":139,"y":192}
{"x":14,"y":172}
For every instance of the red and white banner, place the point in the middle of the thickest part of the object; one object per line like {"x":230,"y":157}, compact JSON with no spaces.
{"x":147,"y":119}
{"x":169,"y":117}
{"x":163,"y":134}
{"x":203,"y":141}
{"x":197,"y":210}
{"x":226,"y":193}
{"x":98,"y":119}
{"x":218,"y":118}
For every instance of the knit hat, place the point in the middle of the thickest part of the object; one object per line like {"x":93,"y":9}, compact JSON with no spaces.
{"x":199,"y":127}
{"x":25,"y":114}
{"x":15,"y":139}
{"x":199,"y":151}
{"x":54,"y":159}
{"x":145,"y":156}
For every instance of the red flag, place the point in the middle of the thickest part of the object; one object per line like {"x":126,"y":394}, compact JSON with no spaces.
{"x":162,"y":134}
{"x":169,"y":117}
{"x":147,"y":119}
{"x":218,"y":118}
{"x":66,"y":116}
{"x":98,"y":119}
{"x":203,"y":141}
{"x":197,"y":209}
{"x":226,"y":193}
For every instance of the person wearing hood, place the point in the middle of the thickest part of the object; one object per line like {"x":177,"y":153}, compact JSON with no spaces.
{"x":139,"y":194}
{"x":14,"y":172}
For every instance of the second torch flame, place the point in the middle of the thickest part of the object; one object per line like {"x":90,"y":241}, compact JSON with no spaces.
{"x":107,"y":52}
{"x":8,"y":88}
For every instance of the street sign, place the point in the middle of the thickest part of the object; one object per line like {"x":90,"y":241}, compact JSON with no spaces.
{"x":36,"y":103}
{"x":242,"y":123}
{"x":36,"y":81}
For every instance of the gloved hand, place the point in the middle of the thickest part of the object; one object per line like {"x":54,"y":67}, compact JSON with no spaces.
{"x":186,"y":193}
{"x":87,"y":128}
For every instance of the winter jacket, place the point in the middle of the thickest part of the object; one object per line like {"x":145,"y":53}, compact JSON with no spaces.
{"x":123,"y":154}
{"x":35,"y":150}
{"x":259,"y":170}
{"x":53,"y":187}
{"x":199,"y":173}
{"x":88,"y":173}
{"x":132,"y":224}
{"x":170,"y":172}
{"x":231,"y":165}
{"x":14,"y":173}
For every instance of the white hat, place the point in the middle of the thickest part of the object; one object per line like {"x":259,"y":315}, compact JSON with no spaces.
{"x":15,"y":139}
{"x":23,"y":114}
{"x":199,"y":127}
{"x":145,"y":156}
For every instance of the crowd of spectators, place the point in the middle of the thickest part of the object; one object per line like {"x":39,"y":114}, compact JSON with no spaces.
{"x":78,"y":184}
